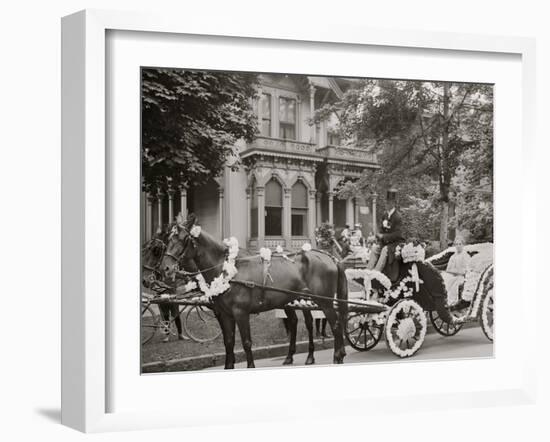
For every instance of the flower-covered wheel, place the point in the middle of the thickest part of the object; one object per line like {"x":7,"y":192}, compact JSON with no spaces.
{"x":405,"y":328}
{"x":363,"y":331}
{"x":487,"y":314}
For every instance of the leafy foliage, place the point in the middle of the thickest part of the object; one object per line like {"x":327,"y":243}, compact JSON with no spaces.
{"x":191,"y":121}
{"x":423,"y":133}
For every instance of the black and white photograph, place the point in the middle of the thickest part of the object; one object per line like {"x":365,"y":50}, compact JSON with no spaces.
{"x":309,"y":220}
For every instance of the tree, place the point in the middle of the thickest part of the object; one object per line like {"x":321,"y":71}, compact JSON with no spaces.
{"x":421,"y":130}
{"x":191,"y":121}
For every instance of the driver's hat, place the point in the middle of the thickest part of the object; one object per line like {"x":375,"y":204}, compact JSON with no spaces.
{"x":391,"y":194}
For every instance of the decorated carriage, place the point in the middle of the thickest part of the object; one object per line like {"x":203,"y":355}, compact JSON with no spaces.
{"x":368,"y":302}
{"x":404,"y":322}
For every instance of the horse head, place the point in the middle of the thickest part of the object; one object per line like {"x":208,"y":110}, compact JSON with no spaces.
{"x":181,"y":244}
{"x":151,"y":256}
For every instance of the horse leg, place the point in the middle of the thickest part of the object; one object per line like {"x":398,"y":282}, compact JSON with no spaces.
{"x":308,"y":319}
{"x":243,"y":322}
{"x":227,"y":325}
{"x":337,"y":332}
{"x":293,"y":326}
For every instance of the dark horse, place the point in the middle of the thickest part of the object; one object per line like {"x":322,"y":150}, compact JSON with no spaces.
{"x":151,"y":257}
{"x":312,"y":272}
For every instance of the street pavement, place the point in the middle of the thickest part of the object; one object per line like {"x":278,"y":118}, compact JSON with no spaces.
{"x":468,"y":343}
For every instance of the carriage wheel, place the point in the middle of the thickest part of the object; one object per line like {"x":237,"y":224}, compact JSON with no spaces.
{"x":362,"y":332}
{"x":150,"y":323}
{"x":405,"y":328}
{"x":201,"y":324}
{"x":444,"y":328}
{"x":487,"y":315}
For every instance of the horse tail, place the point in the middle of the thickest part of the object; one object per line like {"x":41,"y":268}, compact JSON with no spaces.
{"x":342,"y":294}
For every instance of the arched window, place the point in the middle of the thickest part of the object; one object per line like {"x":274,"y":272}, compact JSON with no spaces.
{"x":299,"y":209}
{"x":273,"y":208}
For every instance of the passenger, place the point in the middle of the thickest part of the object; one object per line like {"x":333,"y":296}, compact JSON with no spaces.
{"x":457,"y":267}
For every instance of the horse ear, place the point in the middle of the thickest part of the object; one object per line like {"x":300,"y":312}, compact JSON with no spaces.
{"x":191,"y":221}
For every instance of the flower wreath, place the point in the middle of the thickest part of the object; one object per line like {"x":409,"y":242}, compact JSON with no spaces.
{"x":220,"y":283}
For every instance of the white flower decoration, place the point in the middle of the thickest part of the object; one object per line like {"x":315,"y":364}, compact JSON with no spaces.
{"x":306,"y":247}
{"x":265,"y":254}
{"x":191,"y":285}
{"x":279,"y":249}
{"x":195,"y":231}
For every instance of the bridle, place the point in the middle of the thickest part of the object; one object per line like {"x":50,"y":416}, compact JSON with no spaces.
{"x":177,"y":260}
{"x":155,"y":268}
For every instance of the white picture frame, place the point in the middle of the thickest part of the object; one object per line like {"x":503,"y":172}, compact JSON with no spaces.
{"x":85,"y":201}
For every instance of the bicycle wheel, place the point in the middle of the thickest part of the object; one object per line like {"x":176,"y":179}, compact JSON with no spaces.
{"x":201,"y":325}
{"x":150,"y":323}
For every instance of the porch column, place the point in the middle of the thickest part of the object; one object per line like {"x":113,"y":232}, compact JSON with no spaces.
{"x":261,"y":215}
{"x":287,"y":217}
{"x":183,"y":199}
{"x":298,"y":118}
{"x":374,"y":225}
{"x":149,"y":216}
{"x":220,"y":212}
{"x":311,"y":215}
{"x":171,"y":193}
{"x":356,"y":204}
{"x":330,"y":207}
{"x":312,"y":110}
{"x":318,"y":214}
{"x":248,"y":217}
{"x":260,"y":113}
{"x":160,"y":196}
{"x":349,"y":212}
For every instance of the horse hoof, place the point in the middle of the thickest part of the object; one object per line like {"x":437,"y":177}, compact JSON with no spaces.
{"x":288,"y":361}
{"x":338,"y":360}
{"x":310,"y":361}
{"x":251,"y":366}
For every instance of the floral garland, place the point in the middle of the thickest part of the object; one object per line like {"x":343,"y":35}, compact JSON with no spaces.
{"x":368,"y":275}
{"x":484,"y":319}
{"x":403,"y":289}
{"x":302,"y":303}
{"x":480,"y":247}
{"x":412,"y":253}
{"x":479,"y":294}
{"x":220,"y":283}
{"x":379,"y":319}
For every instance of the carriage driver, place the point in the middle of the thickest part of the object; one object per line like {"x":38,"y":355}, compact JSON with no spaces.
{"x":389,"y":237}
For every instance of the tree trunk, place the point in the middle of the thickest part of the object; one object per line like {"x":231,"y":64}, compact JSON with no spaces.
{"x":443,"y":226}
{"x":444,"y":173}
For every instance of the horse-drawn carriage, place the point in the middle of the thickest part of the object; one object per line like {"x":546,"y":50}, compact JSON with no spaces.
{"x":404,"y":323}
{"x":309,"y":280}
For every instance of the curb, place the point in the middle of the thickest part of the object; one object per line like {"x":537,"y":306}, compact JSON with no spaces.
{"x":218,"y":359}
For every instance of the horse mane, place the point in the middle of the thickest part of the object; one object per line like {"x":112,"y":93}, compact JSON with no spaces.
{"x":211,"y":244}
